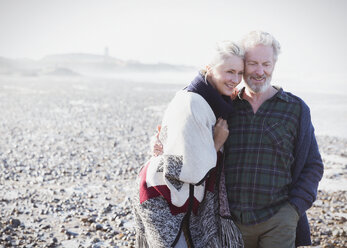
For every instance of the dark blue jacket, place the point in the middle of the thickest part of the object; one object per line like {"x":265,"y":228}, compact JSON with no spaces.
{"x":307,"y":171}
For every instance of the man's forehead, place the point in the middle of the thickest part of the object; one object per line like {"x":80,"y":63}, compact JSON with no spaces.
{"x":259,"y":51}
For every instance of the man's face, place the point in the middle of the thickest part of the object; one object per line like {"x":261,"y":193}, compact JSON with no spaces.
{"x":259,"y":65}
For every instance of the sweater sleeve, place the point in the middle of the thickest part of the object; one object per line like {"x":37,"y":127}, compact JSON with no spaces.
{"x":188,"y":138}
{"x":308,"y":169}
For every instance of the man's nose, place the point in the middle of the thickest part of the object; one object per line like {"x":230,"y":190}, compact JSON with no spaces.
{"x":259,"y":70}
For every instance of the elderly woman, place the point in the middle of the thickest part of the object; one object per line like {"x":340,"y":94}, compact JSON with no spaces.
{"x":176,"y":201}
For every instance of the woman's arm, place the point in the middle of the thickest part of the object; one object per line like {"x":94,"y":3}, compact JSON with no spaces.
{"x":220,"y":135}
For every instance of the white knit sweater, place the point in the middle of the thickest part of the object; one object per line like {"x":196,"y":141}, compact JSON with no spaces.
{"x":162,"y":196}
{"x":187,"y":135}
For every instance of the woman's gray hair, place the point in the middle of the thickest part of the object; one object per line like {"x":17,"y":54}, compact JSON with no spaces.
{"x":223,"y":50}
{"x":258,"y":37}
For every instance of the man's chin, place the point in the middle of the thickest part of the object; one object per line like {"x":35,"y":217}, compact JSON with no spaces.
{"x":258,"y":88}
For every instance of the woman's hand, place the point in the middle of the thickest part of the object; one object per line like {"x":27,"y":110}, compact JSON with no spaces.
{"x":220,"y":133}
{"x":158,"y":146}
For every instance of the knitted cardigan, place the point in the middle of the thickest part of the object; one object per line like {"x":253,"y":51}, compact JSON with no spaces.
{"x":174,"y":186}
{"x":307,"y":171}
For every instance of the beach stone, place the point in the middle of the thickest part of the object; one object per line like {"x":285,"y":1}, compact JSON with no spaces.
{"x":15,"y":223}
{"x":95,"y":240}
{"x":336,"y":233}
{"x":98,"y":226}
{"x":45,"y":227}
{"x":70,"y":234}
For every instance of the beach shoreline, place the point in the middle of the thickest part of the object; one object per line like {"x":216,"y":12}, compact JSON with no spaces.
{"x":71,"y":149}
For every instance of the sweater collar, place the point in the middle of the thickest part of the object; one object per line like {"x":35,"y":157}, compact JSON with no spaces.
{"x":220,"y":104}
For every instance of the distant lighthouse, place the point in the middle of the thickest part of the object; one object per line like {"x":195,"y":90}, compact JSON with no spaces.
{"x":106,"y":52}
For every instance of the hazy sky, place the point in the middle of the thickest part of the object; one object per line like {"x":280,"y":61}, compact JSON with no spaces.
{"x":312,"y":32}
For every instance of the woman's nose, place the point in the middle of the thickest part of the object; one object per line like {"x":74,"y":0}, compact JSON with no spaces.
{"x":236,"y":79}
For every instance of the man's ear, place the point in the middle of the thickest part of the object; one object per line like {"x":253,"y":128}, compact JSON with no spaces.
{"x":274,"y":66}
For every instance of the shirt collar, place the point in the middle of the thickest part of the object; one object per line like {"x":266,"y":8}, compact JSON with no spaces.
{"x":280,"y":94}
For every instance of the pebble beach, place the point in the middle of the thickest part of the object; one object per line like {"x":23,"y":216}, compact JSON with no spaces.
{"x":70,"y":150}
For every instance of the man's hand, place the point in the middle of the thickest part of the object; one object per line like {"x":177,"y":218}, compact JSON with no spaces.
{"x":235,"y":93}
{"x":220,"y":134}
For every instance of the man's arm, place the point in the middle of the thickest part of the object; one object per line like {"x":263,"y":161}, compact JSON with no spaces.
{"x":305,"y":181}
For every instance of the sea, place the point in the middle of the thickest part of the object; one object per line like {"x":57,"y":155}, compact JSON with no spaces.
{"x":326,"y":95}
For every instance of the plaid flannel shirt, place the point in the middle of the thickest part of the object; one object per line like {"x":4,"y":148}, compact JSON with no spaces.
{"x":259,"y":153}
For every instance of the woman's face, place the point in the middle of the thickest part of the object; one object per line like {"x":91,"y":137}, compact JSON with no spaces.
{"x":227,"y":75}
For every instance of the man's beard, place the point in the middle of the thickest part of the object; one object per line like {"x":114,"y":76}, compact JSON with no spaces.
{"x":258,"y":88}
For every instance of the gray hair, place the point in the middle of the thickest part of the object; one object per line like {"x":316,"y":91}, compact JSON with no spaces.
{"x":223,"y":50}
{"x":255,"y":38}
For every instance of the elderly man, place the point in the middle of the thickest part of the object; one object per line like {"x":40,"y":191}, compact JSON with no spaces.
{"x":272,"y":163}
